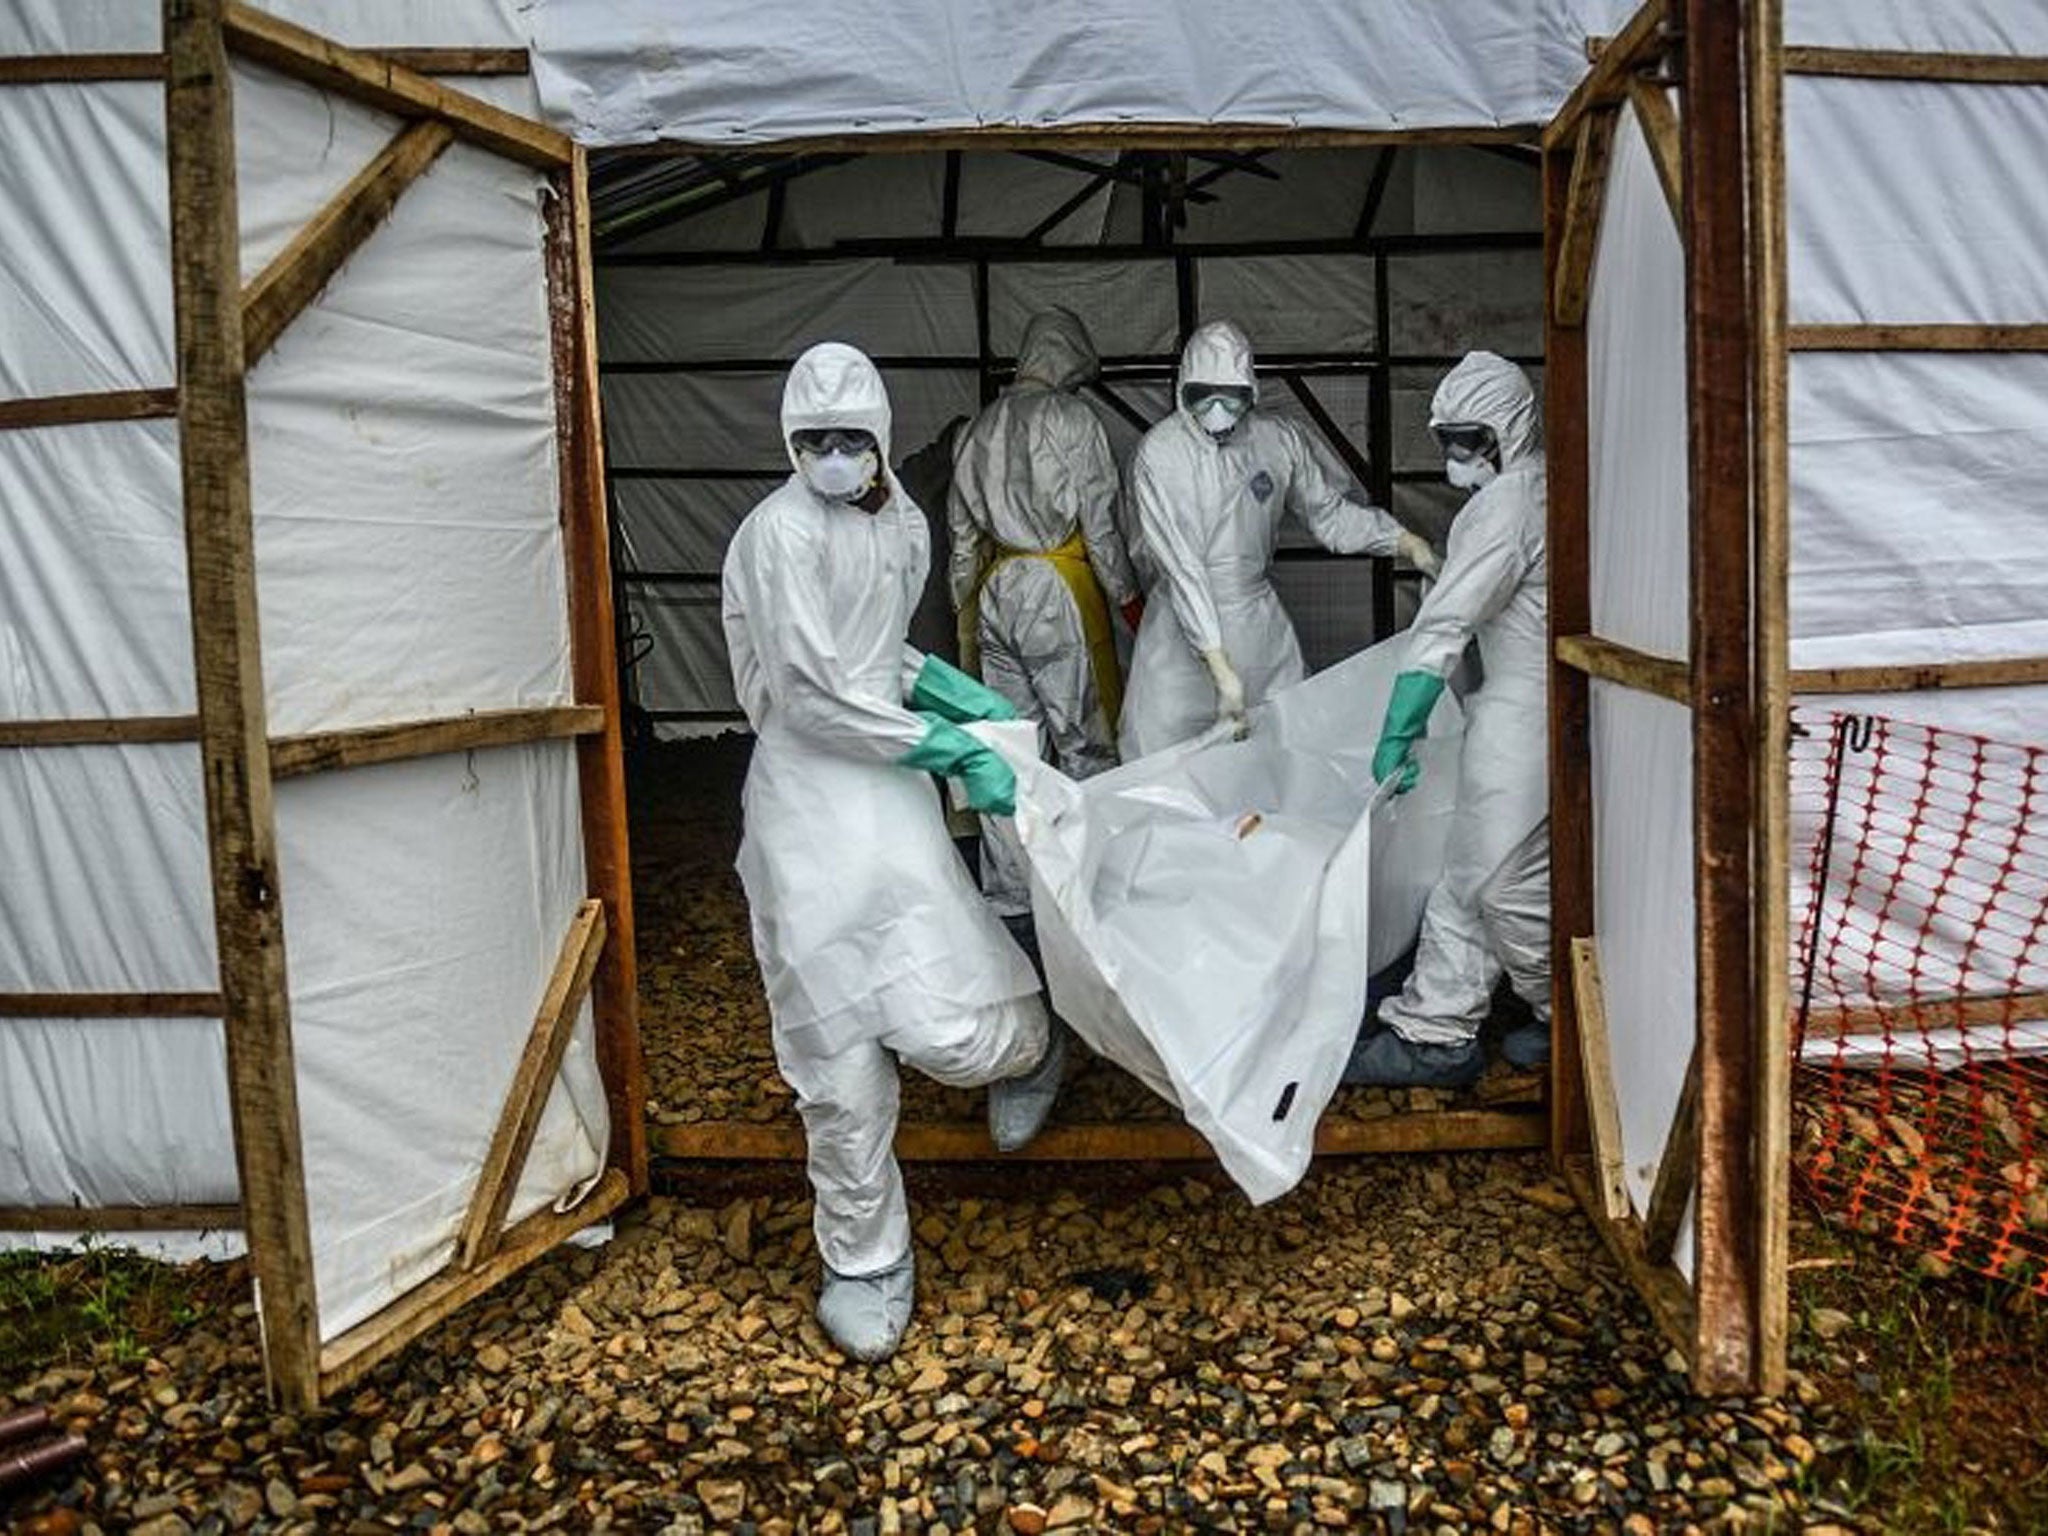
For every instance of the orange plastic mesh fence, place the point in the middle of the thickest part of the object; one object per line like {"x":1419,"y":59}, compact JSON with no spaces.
{"x":1920,"y":988}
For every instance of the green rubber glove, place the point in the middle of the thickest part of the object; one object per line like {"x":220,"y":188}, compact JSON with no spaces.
{"x":1408,"y":710}
{"x":946,"y":749}
{"x":943,"y":689}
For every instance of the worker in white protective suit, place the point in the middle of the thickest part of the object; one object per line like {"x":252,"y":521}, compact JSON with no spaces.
{"x":872,"y":941}
{"x":1210,"y":484}
{"x":1037,"y":568}
{"x":1491,"y":909}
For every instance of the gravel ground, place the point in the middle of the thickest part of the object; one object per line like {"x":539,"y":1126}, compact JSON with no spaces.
{"x":1423,"y":1344}
{"x":1426,"y":1344}
{"x":704,"y":1020}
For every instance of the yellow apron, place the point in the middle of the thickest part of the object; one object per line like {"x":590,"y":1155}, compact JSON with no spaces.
{"x":1071,"y":561}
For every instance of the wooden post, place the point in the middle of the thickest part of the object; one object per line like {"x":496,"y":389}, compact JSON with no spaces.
{"x":1571,"y":613}
{"x":600,"y":759}
{"x":233,"y":741}
{"x":1720,"y":342}
{"x":1773,"y":940}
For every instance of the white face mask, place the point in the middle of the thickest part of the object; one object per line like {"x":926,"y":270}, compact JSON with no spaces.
{"x":839,"y":476}
{"x":1469,"y":474}
{"x":1219,"y":416}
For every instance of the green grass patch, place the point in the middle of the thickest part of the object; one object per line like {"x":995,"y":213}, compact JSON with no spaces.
{"x":94,"y":1303}
{"x":1937,"y":1386}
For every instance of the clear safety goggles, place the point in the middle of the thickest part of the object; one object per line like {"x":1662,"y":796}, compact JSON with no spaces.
{"x":1464,"y":443}
{"x":1234,"y":397}
{"x":831,"y":440}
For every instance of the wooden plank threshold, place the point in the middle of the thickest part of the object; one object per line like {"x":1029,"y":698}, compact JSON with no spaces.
{"x":1456,"y":1130}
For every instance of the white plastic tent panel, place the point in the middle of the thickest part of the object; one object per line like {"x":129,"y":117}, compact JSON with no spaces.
{"x":410,"y":564}
{"x":1641,"y":745}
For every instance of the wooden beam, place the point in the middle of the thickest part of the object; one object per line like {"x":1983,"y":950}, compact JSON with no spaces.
{"x":1951,"y":68}
{"x":390,"y":87}
{"x":79,"y":68}
{"x":594,"y":664}
{"x":1613,"y":662}
{"x":363,"y":1348}
{"x":112,"y":1005}
{"x":1771,"y":946}
{"x":1662,"y":1287}
{"x":1720,"y":368}
{"x":136,"y":730}
{"x":1637,"y":43}
{"x":293,"y":757}
{"x":295,"y":276}
{"x":1923,"y":1015}
{"x":458,"y":61}
{"x":75,"y":410}
{"x":220,"y":558}
{"x":1659,"y":119}
{"x":1141,"y":1141}
{"x":95,"y":68}
{"x":1678,"y":1170}
{"x":1918,"y":338}
{"x":1910,"y":677}
{"x":1567,"y":551}
{"x":1242,"y":137}
{"x":532,"y":1080}
{"x":1572,"y":274}
{"x":120,"y":1218}
{"x":1597,"y":1056}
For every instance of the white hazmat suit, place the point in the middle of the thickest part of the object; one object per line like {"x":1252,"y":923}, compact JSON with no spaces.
{"x":1208,"y":515}
{"x":873,"y":943}
{"x":1038,"y":566}
{"x":1491,"y":910}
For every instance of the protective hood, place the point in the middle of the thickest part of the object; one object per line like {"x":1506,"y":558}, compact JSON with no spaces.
{"x":1488,"y":390}
{"x":834,"y":385}
{"x":1056,"y":351}
{"x":1218,"y":353}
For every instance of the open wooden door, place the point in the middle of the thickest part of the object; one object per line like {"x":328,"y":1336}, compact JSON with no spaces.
{"x":407,"y":700}
{"x":1664,"y":204}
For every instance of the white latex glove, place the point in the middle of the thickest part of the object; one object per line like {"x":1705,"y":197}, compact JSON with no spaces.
{"x":1419,"y":552}
{"x":1229,"y":690}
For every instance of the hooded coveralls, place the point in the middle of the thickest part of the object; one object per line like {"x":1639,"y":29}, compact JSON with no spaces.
{"x":1491,"y":909}
{"x":1037,"y":565}
{"x":873,"y":943}
{"x":1208,"y":516}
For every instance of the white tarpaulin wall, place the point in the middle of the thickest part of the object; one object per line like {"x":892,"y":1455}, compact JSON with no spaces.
{"x":1641,"y":744}
{"x":410,"y":564}
{"x":1209,"y":916}
{"x":737,"y":72}
{"x":692,"y":445}
{"x":1916,"y":478}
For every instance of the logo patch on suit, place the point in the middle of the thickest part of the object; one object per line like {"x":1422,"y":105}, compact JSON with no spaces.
{"x":1262,"y":485}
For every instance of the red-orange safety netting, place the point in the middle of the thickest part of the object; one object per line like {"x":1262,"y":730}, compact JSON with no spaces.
{"x":1920,"y":988}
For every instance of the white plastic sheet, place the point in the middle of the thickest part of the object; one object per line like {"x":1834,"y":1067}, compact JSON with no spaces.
{"x":1209,"y":916}
{"x":743,"y":71}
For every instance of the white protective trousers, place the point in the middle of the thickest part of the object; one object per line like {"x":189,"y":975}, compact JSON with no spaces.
{"x":870,"y":935}
{"x":1208,"y":515}
{"x":1031,"y":474}
{"x":1491,"y":910}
